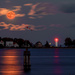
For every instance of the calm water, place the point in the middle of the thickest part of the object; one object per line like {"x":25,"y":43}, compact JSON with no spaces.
{"x":43,"y":62}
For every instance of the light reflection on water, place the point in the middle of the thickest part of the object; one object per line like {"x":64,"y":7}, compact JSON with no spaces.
{"x":10,"y":63}
{"x":57,"y":69}
{"x":43,"y":62}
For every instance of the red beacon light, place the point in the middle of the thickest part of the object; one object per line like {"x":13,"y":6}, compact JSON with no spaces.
{"x":56,"y":39}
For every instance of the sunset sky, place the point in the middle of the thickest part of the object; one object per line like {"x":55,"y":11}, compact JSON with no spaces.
{"x":38,"y":20}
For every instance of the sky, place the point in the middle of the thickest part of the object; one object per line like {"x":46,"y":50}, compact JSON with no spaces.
{"x":38,"y":20}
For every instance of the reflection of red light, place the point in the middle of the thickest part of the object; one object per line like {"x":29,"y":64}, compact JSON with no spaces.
{"x":56,"y":39}
{"x":56,"y":56}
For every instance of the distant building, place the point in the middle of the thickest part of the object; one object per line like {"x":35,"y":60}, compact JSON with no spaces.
{"x":9,"y":44}
{"x":38,"y":44}
{"x":1,"y":42}
{"x":27,"y":43}
{"x":15,"y":45}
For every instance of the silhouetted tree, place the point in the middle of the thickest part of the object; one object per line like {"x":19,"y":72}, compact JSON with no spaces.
{"x":15,"y":40}
{"x":74,"y":43}
{"x":38,"y":44}
{"x":1,"y":46}
{"x":27,"y":43}
{"x":4,"y":39}
{"x":20,"y":42}
{"x":47,"y":44}
{"x":0,"y":39}
{"x":68,"y":42}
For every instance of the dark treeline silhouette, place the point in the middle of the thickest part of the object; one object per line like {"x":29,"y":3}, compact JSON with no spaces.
{"x":69,"y":42}
{"x":21,"y":43}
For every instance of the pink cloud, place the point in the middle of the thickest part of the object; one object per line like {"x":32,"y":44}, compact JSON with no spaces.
{"x":46,"y":9}
{"x":32,"y":11}
{"x":55,"y":25}
{"x":41,"y":9}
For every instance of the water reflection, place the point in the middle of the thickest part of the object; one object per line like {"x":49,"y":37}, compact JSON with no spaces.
{"x":56,"y":57}
{"x":10,"y":63}
{"x":57,"y":68}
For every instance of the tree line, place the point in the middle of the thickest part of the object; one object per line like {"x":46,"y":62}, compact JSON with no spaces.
{"x":69,"y":42}
{"x":21,"y":42}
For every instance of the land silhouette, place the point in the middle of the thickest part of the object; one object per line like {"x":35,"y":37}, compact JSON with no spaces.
{"x":21,"y":43}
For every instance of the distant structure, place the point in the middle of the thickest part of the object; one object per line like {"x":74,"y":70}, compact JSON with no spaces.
{"x":9,"y":43}
{"x":27,"y":64}
{"x":2,"y":42}
{"x":56,"y":42}
{"x":38,"y":44}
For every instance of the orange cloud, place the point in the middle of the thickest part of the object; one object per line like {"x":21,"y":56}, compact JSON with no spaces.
{"x":29,"y":4}
{"x":32,"y":17}
{"x":17,"y":8}
{"x":20,"y":15}
{"x":22,"y":27}
{"x":4,"y":11}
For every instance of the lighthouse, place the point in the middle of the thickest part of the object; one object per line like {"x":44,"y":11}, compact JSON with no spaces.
{"x":56,"y":42}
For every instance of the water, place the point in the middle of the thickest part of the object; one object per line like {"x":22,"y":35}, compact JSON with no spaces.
{"x":43,"y":62}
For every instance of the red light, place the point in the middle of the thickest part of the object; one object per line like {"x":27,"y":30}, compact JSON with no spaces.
{"x":56,"y":39}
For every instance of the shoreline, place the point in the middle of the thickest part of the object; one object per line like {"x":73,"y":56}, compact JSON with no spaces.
{"x":34,"y":48}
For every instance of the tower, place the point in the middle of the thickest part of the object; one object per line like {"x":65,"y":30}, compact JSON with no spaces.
{"x":56,"y":42}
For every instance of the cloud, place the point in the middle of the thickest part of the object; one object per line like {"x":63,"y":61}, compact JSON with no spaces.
{"x":55,"y":25}
{"x":67,"y":8}
{"x":40,"y":27}
{"x":17,"y":8}
{"x":20,"y":15}
{"x":32,"y":11}
{"x":28,"y":4}
{"x":21,"y":27}
{"x":7,"y":1}
{"x":32,"y":17}
{"x":72,"y":25}
{"x":41,"y":9}
{"x":4,"y":11}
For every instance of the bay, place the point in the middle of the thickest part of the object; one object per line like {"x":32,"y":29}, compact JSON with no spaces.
{"x":52,"y":61}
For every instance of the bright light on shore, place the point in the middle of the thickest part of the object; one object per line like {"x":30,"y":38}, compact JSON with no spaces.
{"x":56,"y":42}
{"x":56,"y":39}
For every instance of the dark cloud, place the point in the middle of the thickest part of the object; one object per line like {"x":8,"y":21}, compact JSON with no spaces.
{"x":72,"y":26}
{"x":68,"y":8}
